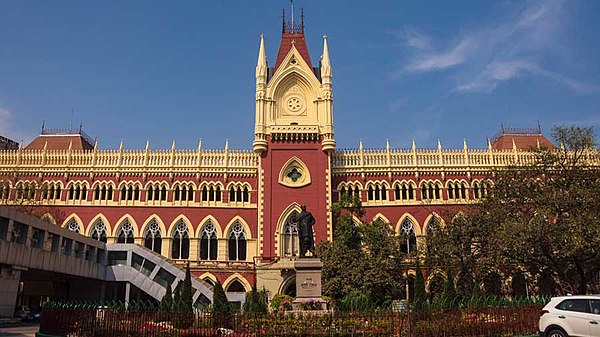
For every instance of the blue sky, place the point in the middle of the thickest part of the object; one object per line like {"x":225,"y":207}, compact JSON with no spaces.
{"x":402,"y":69}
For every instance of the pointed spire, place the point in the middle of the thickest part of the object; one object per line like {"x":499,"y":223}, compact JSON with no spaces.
{"x":489,"y":142}
{"x":43,"y":125}
{"x":261,"y":64}
{"x":96,"y":144}
{"x":360,"y":144}
{"x":325,"y":62}
{"x":200,"y":145}
{"x":537,"y":141}
{"x":514,"y":145}
{"x":147,"y":145}
{"x":439,"y":145}
{"x":226,"y":144}
{"x":45,"y":145}
{"x":387,"y":144}
{"x":121,"y":145}
{"x":465,"y":144}
{"x":414,"y":145}
{"x":173,"y":146}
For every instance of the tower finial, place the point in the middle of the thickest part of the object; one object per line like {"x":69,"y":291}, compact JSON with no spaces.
{"x":283,"y":20}
{"x":302,"y":18}
{"x":292,"y":5}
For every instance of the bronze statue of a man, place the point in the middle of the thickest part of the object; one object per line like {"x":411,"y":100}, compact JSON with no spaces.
{"x":306,"y":221}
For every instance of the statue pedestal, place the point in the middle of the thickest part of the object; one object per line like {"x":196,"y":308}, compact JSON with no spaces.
{"x":308,"y":284}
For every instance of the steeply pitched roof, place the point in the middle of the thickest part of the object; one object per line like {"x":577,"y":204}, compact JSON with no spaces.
{"x":292,"y":33}
{"x":286,"y":45}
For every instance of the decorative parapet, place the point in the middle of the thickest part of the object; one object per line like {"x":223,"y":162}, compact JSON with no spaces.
{"x":152,"y":162}
{"x":381,"y":161}
{"x":294,"y":132}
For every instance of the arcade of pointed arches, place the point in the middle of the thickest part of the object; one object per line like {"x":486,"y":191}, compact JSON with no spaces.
{"x":179,"y":236}
{"x":408,"y":190}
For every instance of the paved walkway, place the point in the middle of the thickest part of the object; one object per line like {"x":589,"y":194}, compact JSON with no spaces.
{"x":25,"y":330}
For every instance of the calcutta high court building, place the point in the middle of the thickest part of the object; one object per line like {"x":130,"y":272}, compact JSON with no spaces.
{"x":229,"y":212}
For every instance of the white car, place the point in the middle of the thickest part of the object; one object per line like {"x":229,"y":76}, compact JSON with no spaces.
{"x":571,"y":316}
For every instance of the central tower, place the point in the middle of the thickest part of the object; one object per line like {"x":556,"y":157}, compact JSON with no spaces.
{"x":293,"y":134}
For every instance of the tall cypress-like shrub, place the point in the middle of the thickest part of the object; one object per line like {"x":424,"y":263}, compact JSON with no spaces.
{"x":420,"y":296}
{"x":221,"y":307}
{"x":166,"y":304}
{"x":449,"y":290}
{"x":186,"y":291}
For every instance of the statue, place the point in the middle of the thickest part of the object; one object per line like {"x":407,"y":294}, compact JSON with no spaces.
{"x":306,"y":221}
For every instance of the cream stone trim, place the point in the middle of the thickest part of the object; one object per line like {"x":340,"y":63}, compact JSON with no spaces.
{"x":416,"y":224}
{"x":119,"y":223}
{"x":294,"y":206}
{"x":242,"y":222}
{"x":95,"y":219}
{"x":215,"y":223}
{"x":102,"y":183}
{"x":428,"y":219}
{"x":294,"y":162}
{"x":242,"y":184}
{"x":431,"y":276}
{"x":187,"y":222}
{"x":209,"y":276}
{"x":128,"y":183}
{"x":382,"y":217}
{"x":238,"y":277}
{"x":77,"y":219}
{"x":286,"y":283}
{"x":156,"y":183}
{"x":163,"y":228}
{"x":49,"y":218}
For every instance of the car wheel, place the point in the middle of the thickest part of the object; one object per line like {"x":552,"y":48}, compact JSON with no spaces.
{"x":556,"y":333}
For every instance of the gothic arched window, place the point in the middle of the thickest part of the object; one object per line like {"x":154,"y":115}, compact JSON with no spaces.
{"x":237,"y":243}
{"x":125,"y":234}
{"x":290,"y":238}
{"x":208,"y":242}
{"x":152,"y":237}
{"x":99,"y":231}
{"x":73,"y":226}
{"x":408,"y":243}
{"x":180,"y":247}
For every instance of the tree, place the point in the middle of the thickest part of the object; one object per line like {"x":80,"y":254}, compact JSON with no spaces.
{"x":362,"y":256}
{"x":256,"y":301}
{"x":449,"y":291}
{"x":186,"y":291}
{"x":166,"y":304}
{"x":420,"y":295}
{"x":220,"y":302}
{"x":541,"y":217}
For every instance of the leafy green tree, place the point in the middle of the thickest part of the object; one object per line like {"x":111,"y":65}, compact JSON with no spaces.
{"x":518,"y":285}
{"x":541,"y":216}
{"x":256,"y":301}
{"x":362,"y":256}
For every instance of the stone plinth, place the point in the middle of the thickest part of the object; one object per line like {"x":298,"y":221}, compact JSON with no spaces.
{"x":308,"y":282}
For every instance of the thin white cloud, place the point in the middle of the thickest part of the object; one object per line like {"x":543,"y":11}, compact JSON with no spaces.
{"x":443,"y":60}
{"x":496,"y":72}
{"x":415,"y":39}
{"x":487,"y":56}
